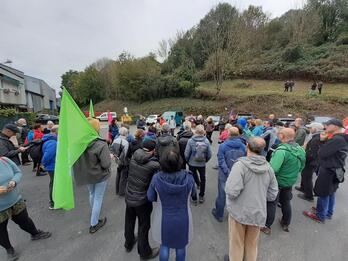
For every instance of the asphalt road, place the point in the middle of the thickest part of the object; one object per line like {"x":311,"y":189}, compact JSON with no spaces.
{"x":307,"y":240}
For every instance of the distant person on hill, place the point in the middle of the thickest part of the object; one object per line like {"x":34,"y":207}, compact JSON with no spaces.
{"x":291,"y":85}
{"x":286,"y":86}
{"x":313,"y":87}
{"x":320,"y":86}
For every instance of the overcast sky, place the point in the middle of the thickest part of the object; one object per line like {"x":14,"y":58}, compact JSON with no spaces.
{"x":45,"y":38}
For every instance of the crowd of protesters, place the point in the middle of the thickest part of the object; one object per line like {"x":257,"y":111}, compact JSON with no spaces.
{"x":164,"y":172}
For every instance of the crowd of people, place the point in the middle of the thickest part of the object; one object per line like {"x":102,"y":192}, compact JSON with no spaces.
{"x":164,"y":172}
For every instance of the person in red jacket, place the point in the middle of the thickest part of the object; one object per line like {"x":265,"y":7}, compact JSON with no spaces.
{"x":345,"y":125}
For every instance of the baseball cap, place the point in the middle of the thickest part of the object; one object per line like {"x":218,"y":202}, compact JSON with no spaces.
{"x":316,"y":125}
{"x":11,"y":127}
{"x":335,"y":122}
{"x":149,"y":145}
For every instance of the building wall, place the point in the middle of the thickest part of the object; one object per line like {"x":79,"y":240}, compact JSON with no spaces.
{"x":49,"y":96}
{"x":13,"y":83}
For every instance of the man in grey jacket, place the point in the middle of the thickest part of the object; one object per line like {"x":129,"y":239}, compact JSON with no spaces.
{"x":249,"y":186}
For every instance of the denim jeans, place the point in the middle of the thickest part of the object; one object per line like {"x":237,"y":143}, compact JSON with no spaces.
{"x":96,"y":195}
{"x":165,"y":251}
{"x":220,"y":201}
{"x":325,"y":206}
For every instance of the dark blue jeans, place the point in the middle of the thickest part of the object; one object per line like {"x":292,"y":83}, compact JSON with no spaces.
{"x":220,"y":201}
{"x":325,"y":206}
{"x":165,"y":251}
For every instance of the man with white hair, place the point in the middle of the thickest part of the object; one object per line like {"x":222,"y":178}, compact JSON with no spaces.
{"x":312,"y":164}
{"x":49,"y":127}
{"x":21,"y":136}
{"x":120,"y":149}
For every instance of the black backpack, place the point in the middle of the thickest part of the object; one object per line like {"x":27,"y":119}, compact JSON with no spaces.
{"x":35,"y":150}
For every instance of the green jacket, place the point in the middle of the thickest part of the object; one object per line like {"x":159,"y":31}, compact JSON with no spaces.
{"x":287,"y":161}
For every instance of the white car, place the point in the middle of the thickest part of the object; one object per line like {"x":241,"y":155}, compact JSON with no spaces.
{"x":151,"y":119}
{"x":104,"y":116}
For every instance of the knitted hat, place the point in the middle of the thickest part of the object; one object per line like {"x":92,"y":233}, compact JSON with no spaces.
{"x":149,"y":145}
{"x":242,"y":122}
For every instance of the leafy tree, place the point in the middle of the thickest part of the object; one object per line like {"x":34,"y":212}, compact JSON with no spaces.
{"x":69,"y":81}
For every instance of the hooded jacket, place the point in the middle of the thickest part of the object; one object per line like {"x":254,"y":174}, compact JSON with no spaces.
{"x":163,"y":142}
{"x":258,"y":131}
{"x":93,"y":166}
{"x":249,"y":186}
{"x":287,"y":161}
{"x":141,"y":169}
{"x":270,"y":136}
{"x":49,"y":149}
{"x":191,"y":150}
{"x":7,"y":149}
{"x":172,"y":219}
{"x":229,"y":152}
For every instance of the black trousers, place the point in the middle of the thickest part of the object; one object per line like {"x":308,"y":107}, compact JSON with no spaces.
{"x":199,"y":180}
{"x":307,"y":181}
{"x":143,"y":213}
{"x":209,"y":134}
{"x":284,"y":197}
{"x":121,"y":180}
{"x":24,"y":222}
{"x":50,"y":186}
{"x":25,"y":157}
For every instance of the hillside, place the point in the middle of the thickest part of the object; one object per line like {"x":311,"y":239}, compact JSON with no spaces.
{"x":260,"y":97}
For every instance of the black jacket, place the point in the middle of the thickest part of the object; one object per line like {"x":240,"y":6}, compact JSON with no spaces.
{"x":183,"y":139}
{"x":134,"y":146}
{"x":163,"y":142}
{"x":332,"y":155}
{"x":312,"y":150}
{"x":141,"y":169}
{"x":7,"y":149}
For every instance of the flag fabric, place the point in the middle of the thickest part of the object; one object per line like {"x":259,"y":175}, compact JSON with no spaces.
{"x":74,"y":135}
{"x":91,"y":110}
{"x":109,"y":118}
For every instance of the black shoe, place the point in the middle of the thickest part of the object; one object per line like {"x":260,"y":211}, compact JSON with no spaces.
{"x":41,"y":174}
{"x":302,"y":196}
{"x":12,"y":255}
{"x":41,"y":235}
{"x":154,"y":253}
{"x":201,"y":200}
{"x":299,"y":189}
{"x":284,"y":227}
{"x":130,"y":248}
{"x":101,"y":223}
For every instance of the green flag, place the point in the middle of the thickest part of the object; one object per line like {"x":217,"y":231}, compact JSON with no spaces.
{"x":91,"y":110}
{"x":74,"y":135}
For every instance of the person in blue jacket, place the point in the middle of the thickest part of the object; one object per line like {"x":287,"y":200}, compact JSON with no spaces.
{"x":12,"y":206}
{"x":229,"y":152}
{"x":49,"y":149}
{"x":259,"y":129}
{"x":172,"y":222}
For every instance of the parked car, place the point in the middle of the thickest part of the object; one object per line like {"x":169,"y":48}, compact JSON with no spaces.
{"x":178,"y":116}
{"x":151,"y":119}
{"x":247,"y":116}
{"x":320,"y":119}
{"x":44,"y":118}
{"x":216,"y":120}
{"x":287,"y":121}
{"x":104,"y":116}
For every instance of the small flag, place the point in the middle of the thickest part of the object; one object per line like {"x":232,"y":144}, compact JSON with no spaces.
{"x":91,"y":110}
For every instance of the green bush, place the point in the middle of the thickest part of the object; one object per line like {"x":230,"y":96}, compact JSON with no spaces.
{"x":7,"y":112}
{"x":292,"y":54}
{"x":342,"y":39}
